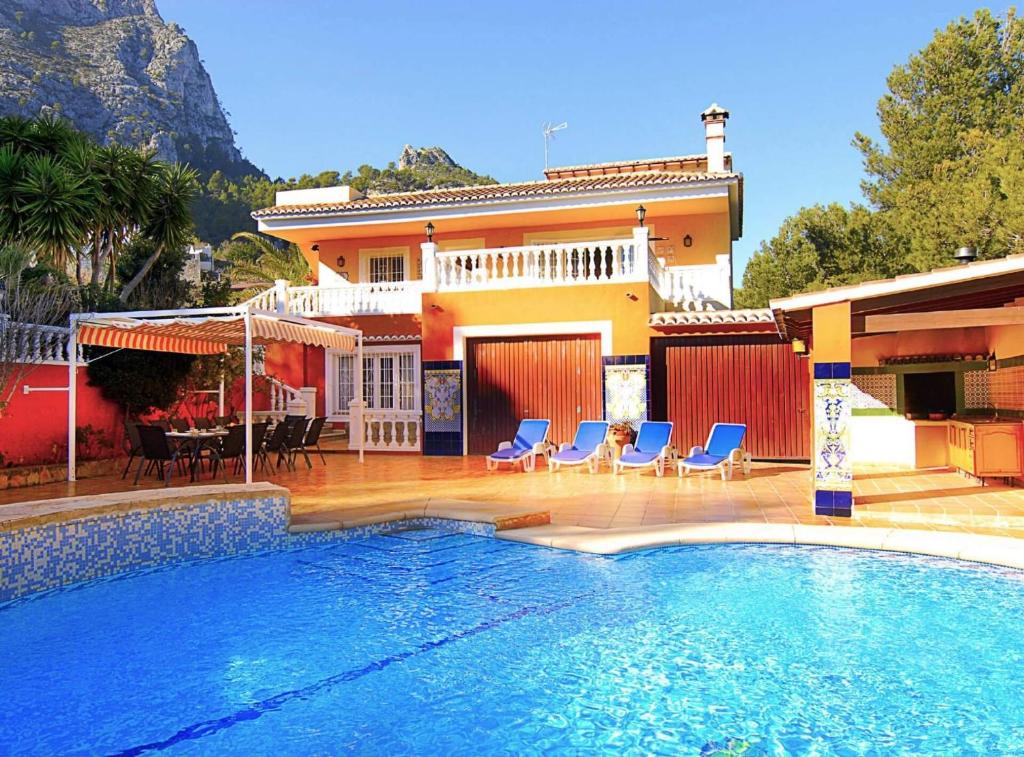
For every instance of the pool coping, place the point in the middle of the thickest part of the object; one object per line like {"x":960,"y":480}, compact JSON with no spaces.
{"x":1005,"y":551}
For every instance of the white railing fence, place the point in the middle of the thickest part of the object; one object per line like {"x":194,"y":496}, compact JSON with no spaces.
{"x":35,"y":343}
{"x":285,"y":399}
{"x":356,"y":299}
{"x":265,"y":300}
{"x":706,"y":286}
{"x":605,"y":262}
{"x":390,"y":431}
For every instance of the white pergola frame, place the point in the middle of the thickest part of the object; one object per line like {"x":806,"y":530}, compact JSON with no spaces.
{"x":246,"y":312}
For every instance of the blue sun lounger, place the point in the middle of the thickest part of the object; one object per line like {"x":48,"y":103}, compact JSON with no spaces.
{"x":724,"y":450}
{"x":530,"y":441}
{"x":587,"y":448}
{"x":653,"y":447}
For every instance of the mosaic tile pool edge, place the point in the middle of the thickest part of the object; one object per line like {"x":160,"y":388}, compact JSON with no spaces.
{"x":49,"y":556}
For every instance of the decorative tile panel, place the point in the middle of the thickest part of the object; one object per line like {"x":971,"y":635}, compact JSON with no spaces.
{"x":626,"y":389}
{"x":833,"y":468}
{"x":442,"y":407}
{"x":1006,"y":388}
{"x":977,"y":389}
{"x":873,"y":391}
{"x":442,"y":400}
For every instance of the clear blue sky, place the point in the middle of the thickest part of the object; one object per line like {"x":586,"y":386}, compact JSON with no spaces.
{"x":313,"y":85}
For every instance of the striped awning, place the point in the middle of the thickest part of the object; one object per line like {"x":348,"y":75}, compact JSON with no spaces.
{"x":208,"y":335}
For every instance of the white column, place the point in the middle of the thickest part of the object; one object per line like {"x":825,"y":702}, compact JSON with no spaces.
{"x":220,"y":397}
{"x":428,"y":261}
{"x":725,"y":278}
{"x":641,"y":251}
{"x":308,"y":394}
{"x":359,"y":395}
{"x":72,"y":395}
{"x":248,"y":397}
{"x":281,"y":287}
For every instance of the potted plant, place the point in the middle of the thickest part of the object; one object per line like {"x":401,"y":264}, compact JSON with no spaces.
{"x":619,"y":435}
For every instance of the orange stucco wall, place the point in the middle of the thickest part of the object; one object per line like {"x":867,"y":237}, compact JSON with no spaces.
{"x":1006,"y":341}
{"x":625,"y":305}
{"x":709,"y":233}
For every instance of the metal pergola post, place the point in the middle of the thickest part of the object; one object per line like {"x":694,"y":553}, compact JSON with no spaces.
{"x":72,"y":396}
{"x":248,"y":396}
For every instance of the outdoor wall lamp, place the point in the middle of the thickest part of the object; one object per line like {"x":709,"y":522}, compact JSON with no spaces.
{"x":993,"y":364}
{"x":429,"y":228}
{"x":340,"y":261}
{"x":687,"y":241}
{"x":799,"y":347}
{"x":641,"y":214}
{"x":315,"y":248}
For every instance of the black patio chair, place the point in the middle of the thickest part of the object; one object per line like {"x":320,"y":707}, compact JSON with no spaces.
{"x":233,"y":446}
{"x":293,"y":418}
{"x":156,"y":450}
{"x":293,"y":444}
{"x":203,"y":424}
{"x":132,"y":445}
{"x":181,"y":425}
{"x":274,"y":444}
{"x":163,"y":423}
{"x":227,"y":420}
{"x":312,"y":440}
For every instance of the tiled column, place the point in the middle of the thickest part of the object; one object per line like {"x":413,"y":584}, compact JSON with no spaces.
{"x":830,"y":356}
{"x":442,"y":407}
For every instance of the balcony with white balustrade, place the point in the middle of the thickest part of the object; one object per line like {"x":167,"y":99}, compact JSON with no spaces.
{"x":563,"y":264}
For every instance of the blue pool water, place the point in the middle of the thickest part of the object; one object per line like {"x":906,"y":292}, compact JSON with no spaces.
{"x":426,"y":642}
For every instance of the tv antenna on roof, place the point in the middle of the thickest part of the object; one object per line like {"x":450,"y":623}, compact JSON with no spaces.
{"x":549,"y":134}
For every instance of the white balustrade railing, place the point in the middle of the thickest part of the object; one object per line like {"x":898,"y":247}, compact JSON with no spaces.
{"x":285,"y":399}
{"x":34,"y":343}
{"x":606,"y":262}
{"x":356,"y":299}
{"x":698,"y":287}
{"x":391,"y":431}
{"x":265,"y":300}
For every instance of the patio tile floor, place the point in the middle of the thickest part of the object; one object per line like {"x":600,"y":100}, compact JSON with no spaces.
{"x":345,"y":491}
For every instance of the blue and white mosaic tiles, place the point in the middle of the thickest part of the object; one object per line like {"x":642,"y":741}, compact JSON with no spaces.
{"x":37,"y":558}
{"x":54,"y":554}
{"x":833,"y":468}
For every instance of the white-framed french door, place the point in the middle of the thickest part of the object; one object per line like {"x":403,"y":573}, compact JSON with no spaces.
{"x":391,"y":392}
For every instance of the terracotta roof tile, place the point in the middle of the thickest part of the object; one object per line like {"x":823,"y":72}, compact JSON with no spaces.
{"x":495,"y":192}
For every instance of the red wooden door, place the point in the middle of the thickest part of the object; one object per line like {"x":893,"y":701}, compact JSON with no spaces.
{"x":756,"y":380}
{"x":554,"y":377}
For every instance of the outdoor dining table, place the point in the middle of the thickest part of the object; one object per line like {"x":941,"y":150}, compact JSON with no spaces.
{"x":201,"y":439}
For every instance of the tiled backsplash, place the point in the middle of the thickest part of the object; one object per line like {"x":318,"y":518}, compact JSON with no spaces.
{"x":1006,"y":388}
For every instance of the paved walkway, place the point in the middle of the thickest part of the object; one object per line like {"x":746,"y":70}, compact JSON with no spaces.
{"x":345,"y":492}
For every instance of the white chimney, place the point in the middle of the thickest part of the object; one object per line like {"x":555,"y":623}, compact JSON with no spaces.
{"x":714,"y":134}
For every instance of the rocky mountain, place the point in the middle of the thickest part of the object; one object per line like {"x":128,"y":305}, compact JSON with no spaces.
{"x":425,"y":157}
{"x":118,"y":72}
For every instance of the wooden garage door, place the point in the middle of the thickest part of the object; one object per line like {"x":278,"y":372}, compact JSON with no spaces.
{"x":755,"y":380}
{"x":556,"y":377}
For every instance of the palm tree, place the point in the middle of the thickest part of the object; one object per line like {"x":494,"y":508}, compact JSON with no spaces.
{"x":169,"y":222}
{"x":257,"y":258}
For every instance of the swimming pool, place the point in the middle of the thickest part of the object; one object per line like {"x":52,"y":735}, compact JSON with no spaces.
{"x":430,"y":642}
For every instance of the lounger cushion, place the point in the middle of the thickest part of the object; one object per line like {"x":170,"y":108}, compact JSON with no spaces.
{"x":704,"y":460}
{"x":509,"y":454}
{"x":638,"y":458}
{"x":572,"y":455}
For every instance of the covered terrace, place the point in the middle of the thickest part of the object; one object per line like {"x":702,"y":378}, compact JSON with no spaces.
{"x":922,"y":371}
{"x":207,"y":331}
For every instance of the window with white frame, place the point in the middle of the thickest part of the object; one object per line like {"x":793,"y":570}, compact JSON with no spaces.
{"x":386,"y":268}
{"x":390,"y":379}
